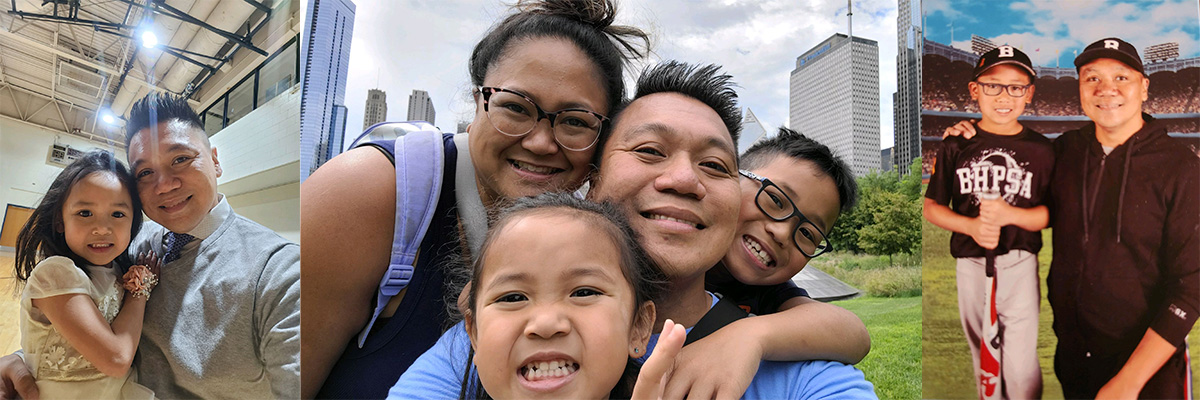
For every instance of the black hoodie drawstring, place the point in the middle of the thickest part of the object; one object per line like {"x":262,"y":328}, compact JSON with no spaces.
{"x":1124,"y":180}
{"x":1087,"y":207}
{"x":1090,"y":208}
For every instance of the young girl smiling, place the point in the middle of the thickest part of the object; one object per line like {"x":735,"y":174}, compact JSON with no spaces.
{"x":81,"y":320}
{"x":561,"y":302}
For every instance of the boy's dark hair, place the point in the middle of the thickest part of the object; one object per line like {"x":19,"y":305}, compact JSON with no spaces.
{"x":40,"y":239}
{"x":586,"y":23}
{"x":795,"y":145}
{"x":640,"y":271}
{"x":157,"y":108}
{"x":703,"y":83}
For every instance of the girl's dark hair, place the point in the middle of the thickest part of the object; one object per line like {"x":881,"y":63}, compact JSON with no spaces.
{"x":586,"y":23}
{"x":640,"y":271}
{"x":40,"y":238}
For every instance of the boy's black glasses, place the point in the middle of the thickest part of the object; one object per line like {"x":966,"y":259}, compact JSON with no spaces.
{"x":515,"y":114}
{"x":993,"y":89}
{"x":776,"y":204}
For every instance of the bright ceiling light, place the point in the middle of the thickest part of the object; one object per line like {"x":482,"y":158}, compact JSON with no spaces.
{"x":149,"y":40}
{"x":107,"y":117}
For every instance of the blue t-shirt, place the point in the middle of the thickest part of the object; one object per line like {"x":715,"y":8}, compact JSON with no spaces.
{"x":438,"y":374}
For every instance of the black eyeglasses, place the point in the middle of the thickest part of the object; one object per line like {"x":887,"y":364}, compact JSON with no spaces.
{"x":515,"y":114}
{"x":992,"y":89}
{"x":776,"y":204}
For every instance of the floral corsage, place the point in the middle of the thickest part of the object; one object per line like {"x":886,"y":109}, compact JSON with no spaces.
{"x":141,"y":278}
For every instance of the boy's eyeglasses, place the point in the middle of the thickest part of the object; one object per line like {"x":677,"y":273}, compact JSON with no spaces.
{"x":776,"y":204}
{"x":993,"y":89}
{"x":515,"y":114}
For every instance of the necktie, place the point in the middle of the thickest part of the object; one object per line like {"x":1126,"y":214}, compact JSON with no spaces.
{"x":174,"y":245}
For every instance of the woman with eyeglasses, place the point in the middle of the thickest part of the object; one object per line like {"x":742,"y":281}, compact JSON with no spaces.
{"x":546,"y":78}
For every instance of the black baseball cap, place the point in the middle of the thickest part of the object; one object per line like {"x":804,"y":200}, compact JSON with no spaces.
{"x":1003,"y":55}
{"x":1113,"y":48}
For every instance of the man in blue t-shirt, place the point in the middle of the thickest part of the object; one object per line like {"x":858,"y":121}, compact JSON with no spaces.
{"x":671,"y":162}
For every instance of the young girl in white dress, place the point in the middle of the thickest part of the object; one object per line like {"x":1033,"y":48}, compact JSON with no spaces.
{"x":80,"y":318}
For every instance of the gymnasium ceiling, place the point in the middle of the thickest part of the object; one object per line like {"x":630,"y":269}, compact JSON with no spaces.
{"x":64,"y":64}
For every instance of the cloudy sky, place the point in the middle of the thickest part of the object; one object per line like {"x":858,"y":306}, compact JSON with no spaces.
{"x":1052,"y":31}
{"x":399,"y":46}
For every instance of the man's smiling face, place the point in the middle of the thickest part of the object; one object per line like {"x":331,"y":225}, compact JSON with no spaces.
{"x":1111,"y":94}
{"x":671,"y":161}
{"x":176,"y":171}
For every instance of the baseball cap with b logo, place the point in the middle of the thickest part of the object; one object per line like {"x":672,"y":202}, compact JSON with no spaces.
{"x":1113,"y":48}
{"x":1003,"y":55}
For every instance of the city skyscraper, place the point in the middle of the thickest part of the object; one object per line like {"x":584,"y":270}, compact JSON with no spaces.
{"x":752,"y":131}
{"x":376,"y":108}
{"x":907,"y":100}
{"x":885,"y":159}
{"x":325,"y":53}
{"x":420,"y":107}
{"x":834,"y":99}
{"x":337,"y":133}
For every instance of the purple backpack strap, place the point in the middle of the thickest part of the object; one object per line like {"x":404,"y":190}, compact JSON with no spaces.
{"x":419,"y":160}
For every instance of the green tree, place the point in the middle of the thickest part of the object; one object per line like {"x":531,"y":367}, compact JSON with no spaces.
{"x":877,"y":193}
{"x":895,"y":226}
{"x":844,"y":234}
{"x":910,"y":185}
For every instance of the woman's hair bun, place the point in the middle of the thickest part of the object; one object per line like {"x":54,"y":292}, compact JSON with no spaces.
{"x":597,"y":13}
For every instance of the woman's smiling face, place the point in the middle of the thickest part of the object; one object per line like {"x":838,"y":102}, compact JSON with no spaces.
{"x":554,"y":314}
{"x":556,"y":75}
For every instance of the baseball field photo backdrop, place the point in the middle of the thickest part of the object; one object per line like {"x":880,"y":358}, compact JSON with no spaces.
{"x":1165,"y":36}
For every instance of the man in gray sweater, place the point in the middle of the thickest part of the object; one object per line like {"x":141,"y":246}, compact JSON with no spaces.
{"x":224,"y":321}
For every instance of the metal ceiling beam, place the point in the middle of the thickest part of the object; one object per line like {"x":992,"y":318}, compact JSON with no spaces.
{"x":259,"y":6}
{"x":245,"y":42}
{"x":165,"y":47}
{"x":15,"y":104}
{"x":33,"y":44}
{"x":253,"y":32}
{"x":178,"y":53}
{"x":180,"y":56}
{"x":62,"y":118}
{"x":198,"y":54}
{"x":161,"y":7}
{"x":35,"y":112}
{"x":92,"y":135}
{"x":35,"y":95}
{"x":69,"y":20}
{"x":125,"y":72}
{"x":76,"y":41}
{"x":84,"y":135}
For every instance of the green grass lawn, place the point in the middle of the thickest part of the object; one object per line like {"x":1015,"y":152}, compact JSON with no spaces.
{"x":894,"y":363}
{"x":947,"y":370}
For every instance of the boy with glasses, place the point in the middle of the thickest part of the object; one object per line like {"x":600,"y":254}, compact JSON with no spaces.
{"x":793,"y":190}
{"x":989,"y":190}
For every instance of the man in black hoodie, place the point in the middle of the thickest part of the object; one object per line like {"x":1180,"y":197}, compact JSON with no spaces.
{"x":1124,"y":283}
{"x":1125,"y":206}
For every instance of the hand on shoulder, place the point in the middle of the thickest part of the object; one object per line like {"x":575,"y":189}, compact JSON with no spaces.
{"x":963,"y":129}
